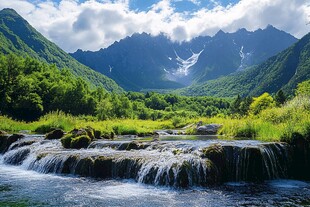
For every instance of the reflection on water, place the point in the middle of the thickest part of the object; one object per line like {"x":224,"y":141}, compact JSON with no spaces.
{"x":29,"y":188}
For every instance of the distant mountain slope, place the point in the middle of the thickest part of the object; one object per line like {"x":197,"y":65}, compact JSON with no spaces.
{"x":142,"y":61}
{"x":231,"y":52}
{"x":146,"y":62}
{"x":283,"y":71}
{"x":19,"y":37}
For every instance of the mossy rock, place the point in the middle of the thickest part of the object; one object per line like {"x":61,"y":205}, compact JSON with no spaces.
{"x":134,"y":145}
{"x":182,"y":179}
{"x":80,"y":142}
{"x":3,"y":141}
{"x":70,"y":164}
{"x":103,"y":167}
{"x":6,"y":141}
{"x":66,"y":141}
{"x":85,"y":167}
{"x":55,"y":134}
{"x":97,"y":134}
{"x":215,"y":153}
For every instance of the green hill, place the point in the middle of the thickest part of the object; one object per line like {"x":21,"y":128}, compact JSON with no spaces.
{"x":19,"y":37}
{"x":283,"y":71}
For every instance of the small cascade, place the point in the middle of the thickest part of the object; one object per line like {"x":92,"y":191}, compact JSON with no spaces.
{"x":168,"y":163}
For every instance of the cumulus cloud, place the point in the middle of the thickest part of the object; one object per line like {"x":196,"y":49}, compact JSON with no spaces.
{"x":95,"y":24}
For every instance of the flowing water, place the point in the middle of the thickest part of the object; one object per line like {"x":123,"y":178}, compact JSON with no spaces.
{"x":35,"y":172}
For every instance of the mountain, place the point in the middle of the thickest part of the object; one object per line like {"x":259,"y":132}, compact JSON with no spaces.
{"x":19,"y":37}
{"x":283,"y":71}
{"x":143,"y":61}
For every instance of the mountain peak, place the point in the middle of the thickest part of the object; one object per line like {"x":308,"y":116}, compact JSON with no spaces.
{"x":270,"y":27}
{"x":9,"y":11}
{"x":219,"y":33}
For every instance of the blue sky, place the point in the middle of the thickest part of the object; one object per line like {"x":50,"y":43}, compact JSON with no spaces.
{"x":95,"y":24}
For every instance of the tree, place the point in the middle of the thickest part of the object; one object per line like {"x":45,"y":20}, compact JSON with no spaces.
{"x":262,"y":102}
{"x":280,"y":98}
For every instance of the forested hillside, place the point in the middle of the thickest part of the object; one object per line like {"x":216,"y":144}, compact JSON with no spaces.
{"x":283,"y":71}
{"x":19,"y":37}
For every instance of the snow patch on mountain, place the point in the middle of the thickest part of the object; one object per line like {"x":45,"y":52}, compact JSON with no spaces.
{"x":245,"y":59}
{"x":185,"y":65}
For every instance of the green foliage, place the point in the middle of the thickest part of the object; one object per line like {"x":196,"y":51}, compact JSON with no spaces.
{"x":80,"y":142}
{"x":246,"y":131}
{"x":303,"y":89}
{"x":260,"y":103}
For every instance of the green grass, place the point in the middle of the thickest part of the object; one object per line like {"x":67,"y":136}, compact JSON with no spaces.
{"x":274,"y":124}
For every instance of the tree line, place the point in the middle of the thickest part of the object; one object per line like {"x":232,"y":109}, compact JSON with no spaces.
{"x":30,"y":88}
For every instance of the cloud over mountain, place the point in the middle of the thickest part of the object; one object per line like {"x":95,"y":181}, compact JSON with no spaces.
{"x":93,"y":24}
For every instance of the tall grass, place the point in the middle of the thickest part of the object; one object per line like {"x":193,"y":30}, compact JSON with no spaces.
{"x":272,"y":124}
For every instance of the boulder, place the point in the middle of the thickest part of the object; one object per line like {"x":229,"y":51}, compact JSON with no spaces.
{"x":6,"y":141}
{"x":134,"y":145}
{"x":55,"y":134}
{"x":103,"y":167}
{"x":3,"y":132}
{"x":209,"y":129}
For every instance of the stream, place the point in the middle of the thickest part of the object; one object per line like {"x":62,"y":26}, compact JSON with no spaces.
{"x":36,"y":172}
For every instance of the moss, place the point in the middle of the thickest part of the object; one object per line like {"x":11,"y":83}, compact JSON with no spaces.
{"x":66,"y":140}
{"x":80,"y":142}
{"x":55,"y":134}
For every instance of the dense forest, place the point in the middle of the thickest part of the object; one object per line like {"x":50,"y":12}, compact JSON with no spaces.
{"x":30,"y":88}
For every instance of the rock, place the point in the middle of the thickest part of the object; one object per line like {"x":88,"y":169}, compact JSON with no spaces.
{"x":3,"y":132}
{"x":22,"y":144}
{"x":103,"y":167}
{"x":134,"y":145}
{"x":85,"y":167}
{"x":216,"y":164}
{"x":10,"y":140}
{"x":209,"y":129}
{"x":70,"y":164}
{"x":87,"y":131}
{"x":18,"y":157}
{"x":80,"y":142}
{"x":97,"y":134}
{"x":25,"y":131}
{"x":56,"y":134}
{"x":3,"y":141}
{"x":182,"y":179}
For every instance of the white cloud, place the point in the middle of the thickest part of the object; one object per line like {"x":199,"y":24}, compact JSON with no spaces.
{"x":97,"y":24}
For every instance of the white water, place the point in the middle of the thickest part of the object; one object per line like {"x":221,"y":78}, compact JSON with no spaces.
{"x":35,"y":189}
{"x":18,"y":184}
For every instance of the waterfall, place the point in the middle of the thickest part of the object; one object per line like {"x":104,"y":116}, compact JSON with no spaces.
{"x":168,"y":163}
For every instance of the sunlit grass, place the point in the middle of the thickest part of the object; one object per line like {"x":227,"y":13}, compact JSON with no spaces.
{"x":270,"y":125}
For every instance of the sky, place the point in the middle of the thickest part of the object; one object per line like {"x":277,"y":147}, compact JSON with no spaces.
{"x":95,"y":24}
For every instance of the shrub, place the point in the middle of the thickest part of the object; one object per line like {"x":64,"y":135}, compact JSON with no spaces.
{"x":246,"y":131}
{"x":80,"y":142}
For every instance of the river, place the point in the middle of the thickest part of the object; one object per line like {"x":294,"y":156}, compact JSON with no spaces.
{"x":21,"y":187}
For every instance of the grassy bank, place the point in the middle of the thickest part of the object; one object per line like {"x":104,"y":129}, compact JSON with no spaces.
{"x":272,"y":124}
